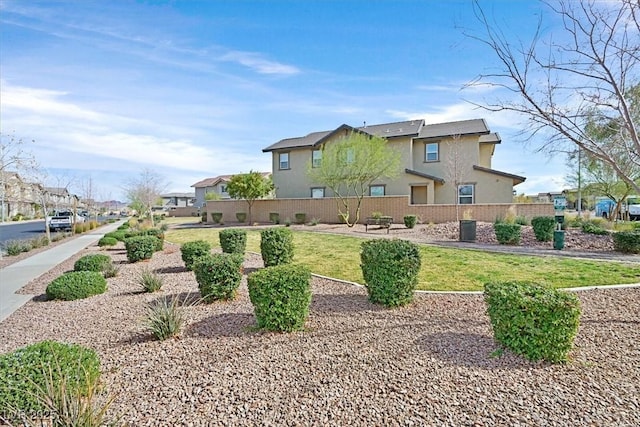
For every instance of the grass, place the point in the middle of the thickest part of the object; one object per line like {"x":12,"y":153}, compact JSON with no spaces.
{"x":443,"y":269}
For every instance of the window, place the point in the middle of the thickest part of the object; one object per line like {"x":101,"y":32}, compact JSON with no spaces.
{"x":223,"y":188}
{"x":351,"y":155}
{"x":317,"y":193}
{"x":284,"y":160}
{"x":376,"y":190}
{"x":316,"y":158}
{"x":466,"y":194}
{"x":431,"y":152}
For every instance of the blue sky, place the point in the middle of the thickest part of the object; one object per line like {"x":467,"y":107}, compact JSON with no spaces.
{"x":195,"y":89}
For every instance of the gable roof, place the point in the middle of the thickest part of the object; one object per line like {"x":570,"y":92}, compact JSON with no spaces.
{"x":210,"y":182}
{"x":461,"y":127}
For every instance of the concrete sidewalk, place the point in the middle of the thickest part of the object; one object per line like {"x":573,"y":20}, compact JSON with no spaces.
{"x":17,"y":275}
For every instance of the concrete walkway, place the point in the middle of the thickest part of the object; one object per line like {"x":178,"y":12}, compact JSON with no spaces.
{"x":19,"y":274}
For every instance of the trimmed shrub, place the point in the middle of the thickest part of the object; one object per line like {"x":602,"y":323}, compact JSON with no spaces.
{"x":92,"y":262}
{"x":390,"y":269}
{"x":216,"y":217}
{"x":140,"y":247}
{"x":591,"y":228}
{"x":233,"y":240}
{"x":301,"y":217}
{"x":119,"y":235}
{"x":218,"y":276}
{"x":274,"y":217}
{"x":157,"y":233}
{"x":533,"y":320}
{"x":276,"y":246}
{"x":627,"y":242}
{"x":543,"y":227}
{"x":241,"y":216}
{"x":507,"y":234}
{"x":107,"y":241}
{"x":76,"y":285}
{"x":281,"y":296}
{"x":410,"y":221}
{"x":27,"y":373}
{"x":190,"y":251}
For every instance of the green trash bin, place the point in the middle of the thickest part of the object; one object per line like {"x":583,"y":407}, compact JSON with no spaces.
{"x":558,"y":239}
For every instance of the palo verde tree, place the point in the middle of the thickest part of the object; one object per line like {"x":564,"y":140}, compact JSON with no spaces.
{"x":588,"y":72}
{"x":250,"y":187}
{"x":350,"y":165}
{"x":144,"y":191}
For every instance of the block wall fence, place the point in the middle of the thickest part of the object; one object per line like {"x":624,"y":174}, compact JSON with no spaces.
{"x":326,"y":210}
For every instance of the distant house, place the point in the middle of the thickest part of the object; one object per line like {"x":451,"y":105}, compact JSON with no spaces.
{"x":177,"y":200}
{"x":427,"y":152}
{"x":215,"y":187}
{"x":59,"y":198}
{"x":19,"y":197}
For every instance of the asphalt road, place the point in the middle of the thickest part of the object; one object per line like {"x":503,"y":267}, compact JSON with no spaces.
{"x":20,"y":230}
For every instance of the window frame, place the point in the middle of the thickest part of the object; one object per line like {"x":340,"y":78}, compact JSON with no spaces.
{"x":316,"y":189}
{"x":288,"y":162}
{"x":427,"y":152}
{"x":384,"y":190}
{"x":472,"y":196}
{"x":314,"y":160}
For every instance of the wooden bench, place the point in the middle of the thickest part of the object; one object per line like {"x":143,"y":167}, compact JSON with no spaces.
{"x":383,"y":222}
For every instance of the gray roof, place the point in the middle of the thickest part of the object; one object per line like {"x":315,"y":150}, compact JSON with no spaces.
{"x":517,"y":179}
{"x":462,"y":127}
{"x":182,"y":195}
{"x":425,"y":175}
{"x":413,"y":128}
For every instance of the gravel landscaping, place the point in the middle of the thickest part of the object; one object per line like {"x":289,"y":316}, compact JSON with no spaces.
{"x":431,"y":363}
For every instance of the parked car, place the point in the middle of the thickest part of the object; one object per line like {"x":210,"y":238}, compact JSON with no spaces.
{"x":63,"y":220}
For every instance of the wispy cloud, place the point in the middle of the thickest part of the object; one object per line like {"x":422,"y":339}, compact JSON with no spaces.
{"x":258,"y":63}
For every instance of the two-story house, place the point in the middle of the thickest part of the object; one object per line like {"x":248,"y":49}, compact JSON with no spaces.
{"x":216,"y":186}
{"x":439,"y":163}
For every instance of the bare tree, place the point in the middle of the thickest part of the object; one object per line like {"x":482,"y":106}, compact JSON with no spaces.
{"x":458,"y":165}
{"x":144,"y":191}
{"x":13,"y":158}
{"x":587,"y":73}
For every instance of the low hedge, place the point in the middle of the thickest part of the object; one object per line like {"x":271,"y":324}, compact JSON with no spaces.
{"x":627,"y":241}
{"x":119,"y":235}
{"x":543,"y":227}
{"x":107,"y":241}
{"x":76,"y":285}
{"x":533,"y":320}
{"x":233,"y":240}
{"x":26,"y":372}
{"x":93,"y":262}
{"x":281,"y":296}
{"x":507,"y":234}
{"x":390,"y":269}
{"x":276,"y":246}
{"x":218,"y":276}
{"x":140,"y":247}
{"x":190,"y":251}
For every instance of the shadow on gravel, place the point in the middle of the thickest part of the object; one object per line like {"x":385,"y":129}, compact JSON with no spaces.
{"x":342,"y":303}
{"x":40,"y":298}
{"x":223,"y":325}
{"x":471,"y":351}
{"x":169,"y":270}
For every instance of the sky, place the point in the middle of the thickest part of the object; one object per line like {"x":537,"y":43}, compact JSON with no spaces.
{"x":191,"y":89}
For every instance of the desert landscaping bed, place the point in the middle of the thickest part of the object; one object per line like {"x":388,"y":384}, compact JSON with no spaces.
{"x":431,"y":363}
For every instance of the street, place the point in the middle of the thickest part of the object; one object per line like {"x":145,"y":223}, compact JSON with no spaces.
{"x":22,"y":230}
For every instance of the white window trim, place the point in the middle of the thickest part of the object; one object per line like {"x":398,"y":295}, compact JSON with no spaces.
{"x":384,"y":190}
{"x":280,"y":161}
{"x":318,"y":188}
{"x":472,"y":195}
{"x":426,"y":152}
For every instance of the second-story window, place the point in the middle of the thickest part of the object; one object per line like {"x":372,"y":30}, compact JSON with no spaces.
{"x":316,"y":158}
{"x":431,"y":152}
{"x":284,"y":160}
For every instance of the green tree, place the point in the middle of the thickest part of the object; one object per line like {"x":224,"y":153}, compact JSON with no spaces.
{"x":587,"y":72}
{"x":350,"y":165}
{"x":250,"y":187}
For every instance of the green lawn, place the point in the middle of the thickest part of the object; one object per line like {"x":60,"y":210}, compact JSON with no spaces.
{"x":442,"y":269}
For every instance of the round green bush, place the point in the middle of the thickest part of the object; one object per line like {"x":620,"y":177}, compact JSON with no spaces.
{"x":76,"y":285}
{"x":140,"y":247}
{"x":276,"y":246}
{"x":543,"y":227}
{"x":93,"y":262}
{"x":107,"y":241}
{"x":507,"y":234}
{"x":119,"y":235}
{"x":233,"y":240}
{"x":158,"y":234}
{"x":390,"y":269}
{"x":281,"y":296}
{"x":26,"y":372}
{"x":410,"y":221}
{"x":218,"y":276}
{"x":190,"y":251}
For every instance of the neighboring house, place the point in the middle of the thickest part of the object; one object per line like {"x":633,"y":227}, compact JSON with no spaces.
{"x":178,"y":200}
{"x":18,"y":197}
{"x":430,"y":154}
{"x":59,"y":198}
{"x":216,"y":187}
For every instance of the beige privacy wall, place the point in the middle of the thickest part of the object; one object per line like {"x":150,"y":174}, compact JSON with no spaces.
{"x":326,"y":210}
